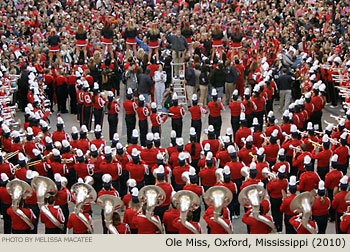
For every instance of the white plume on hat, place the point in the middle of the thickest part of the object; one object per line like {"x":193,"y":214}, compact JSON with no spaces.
{"x":179,"y":141}
{"x":270,"y":114}
{"x":106,"y":178}
{"x":129,"y":91}
{"x":131,"y":182}
{"x":226,"y":170}
{"x":325,"y":138}
{"x":274,"y":133}
{"x":229,"y":131}
{"x":247,"y":91}
{"x":342,"y":122}
{"x":260,"y":151}
{"x":214,"y":92}
{"x":252,"y":166}
{"x":231,"y":149}
{"x":36,"y":152}
{"x":160,"y":156}
{"x":173,"y":134}
{"x":194,"y":97}
{"x":116,"y":137}
{"x":149,"y":136}
{"x":135,"y":152}
{"x":321,"y":185}
{"x":79,"y":153}
{"x":141,"y":97}
{"x":119,"y":146}
{"x":309,"y":126}
{"x":135,"y":133}
{"x":192,"y":131}
{"x":153,"y":105}
{"x":334,"y":158}
{"x":293,"y":128}
{"x":210,"y":128}
{"x":57,"y":177}
{"x":282,"y":169}
{"x":60,"y":120}
{"x":281,"y":152}
{"x":192,"y":171}
{"x":344,"y":180}
{"x":4,"y":177}
{"x":307,"y":159}
{"x":84,"y":128}
{"x":48,"y":139}
{"x":29,"y":131}
{"x":135,"y":192}
{"x":110,"y":94}
{"x":156,"y":136}
{"x":235,"y":92}
{"x":98,"y":128}
{"x":308,"y":95}
{"x":209,"y":156}
{"x":160,"y":169}
{"x":74,"y":130}
{"x":242,"y":116}
{"x":182,"y":156}
{"x":207,"y":147}
{"x":107,"y":150}
{"x":29,"y":174}
{"x":292,"y":180}
{"x":21,"y":157}
{"x":255,"y":121}
{"x":93,"y":147}
{"x":249,"y":138}
{"x":344,"y":135}
{"x":55,"y":152}
{"x":65,"y":143}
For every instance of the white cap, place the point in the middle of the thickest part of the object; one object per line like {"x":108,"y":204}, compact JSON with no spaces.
{"x":274,"y":133}
{"x":129,"y":91}
{"x":325,"y":138}
{"x":80,"y":180}
{"x":141,"y":97}
{"x":65,"y":143}
{"x":307,"y":159}
{"x":182,"y":156}
{"x":135,"y":133}
{"x":194,"y":97}
{"x":321,"y":185}
{"x":192,"y":131}
{"x":173,"y":134}
{"x":149,"y":136}
{"x":74,"y":130}
{"x":110,"y":94}
{"x":36,"y":152}
{"x":334,"y":158}
{"x":135,"y":192}
{"x":337,"y":59}
{"x":255,"y":121}
{"x":344,"y":180}
{"x":98,"y":128}
{"x":160,"y":156}
{"x":93,"y":147}
{"x":249,"y":138}
{"x":107,"y":150}
{"x":153,"y":105}
{"x":330,"y":127}
{"x":308,"y":95}
{"x":179,"y":141}
{"x":247,"y":91}
{"x":48,"y":139}
{"x":260,"y":151}
{"x":242,"y":117}
{"x":342,"y":122}
{"x":84,"y":128}
{"x":55,"y":152}
{"x":226,"y":170}
{"x":292,"y":180}
{"x":135,"y":152}
{"x":29,"y":174}
{"x":293,"y":128}
{"x":29,"y":131}
{"x":282,"y":169}
{"x":226,"y":139}
{"x":156,"y":136}
{"x":309,"y":126}
{"x":209,"y":155}
{"x":229,"y":131}
{"x":207,"y":147}
{"x":131,"y":182}
{"x":60,"y":120}
{"x":119,"y":146}
{"x":79,"y":153}
{"x":235,"y":92}
{"x":160,"y":169}
{"x":174,"y":96}
{"x":21,"y":157}
{"x":106,"y":178}
{"x":192,"y":171}
{"x":270,"y":114}
{"x":4,"y":177}
{"x":231,"y":149}
{"x":214,"y":92}
{"x":116,"y":137}
{"x":252,"y":166}
{"x":344,"y":135}
{"x":281,"y":152}
{"x":210,"y":128}
{"x":57,"y":177}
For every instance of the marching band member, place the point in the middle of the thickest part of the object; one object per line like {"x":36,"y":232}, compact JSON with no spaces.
{"x":121,"y":227}
{"x":77,"y":225}
{"x":243,"y":131}
{"x":113,"y":108}
{"x":172,"y":148}
{"x":323,"y":157}
{"x":59,"y":134}
{"x":236,"y":108}
{"x":81,"y":167}
{"x":215,"y":107}
{"x":149,"y":156}
{"x":62,"y":197}
{"x":57,"y":166}
{"x":320,"y":208}
{"x":196,"y":115}
{"x":244,"y":153}
{"x":130,"y":108}
{"x":87,"y":106}
{"x":181,"y":229}
{"x":343,"y":154}
{"x":98,"y":142}
{"x":310,"y":136}
{"x":295,"y":221}
{"x":43,"y":167}
{"x":32,"y":202}
{"x":289,"y":151}
{"x":19,"y":226}
{"x":256,"y":226}
{"x":132,"y":211}
{"x":194,"y":148}
{"x":282,"y":161}
{"x":275,"y":188}
{"x":131,"y":183}
{"x":56,"y":211}
{"x":21,"y":172}
{"x":249,"y":106}
{"x":167,"y":188}
{"x":157,"y":119}
{"x":260,"y":165}
{"x":213,"y":142}
{"x":5,"y":202}
{"x":207,"y":174}
{"x":222,"y":155}
{"x":137,"y":168}
{"x":339,"y":204}
{"x":258,"y":136}
{"x":173,"y":159}
{"x":168,"y":218}
{"x":271,"y":126}
{"x":143,"y":225}
{"x":298,"y":159}
{"x":6,"y":167}
{"x":309,"y":179}
{"x":133,"y":140}
{"x":272,"y":148}
{"x":251,"y":179}
{"x":177,"y":113}
{"x":285,"y":206}
{"x":178,"y":182}
{"x":142,"y":113}
{"x":83,"y":143}
{"x":112,"y":167}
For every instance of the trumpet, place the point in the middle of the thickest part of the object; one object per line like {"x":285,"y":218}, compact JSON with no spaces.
{"x":253,"y":156}
{"x":319,"y":132}
{"x":11,"y":155}
{"x":317,"y":145}
{"x":333,"y":141}
{"x":296,"y":148}
{"x":264,"y":137}
{"x":288,"y":136}
{"x":338,"y":118}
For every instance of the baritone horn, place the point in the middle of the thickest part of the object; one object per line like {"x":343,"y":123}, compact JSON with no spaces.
{"x":43,"y":186}
{"x":219,"y":197}
{"x":303,"y":204}
{"x":83,"y":194}
{"x":253,"y":195}
{"x":18,"y":190}
{"x":267,"y":174}
{"x":186,"y":201}
{"x":152,"y":196}
{"x":110,"y":204}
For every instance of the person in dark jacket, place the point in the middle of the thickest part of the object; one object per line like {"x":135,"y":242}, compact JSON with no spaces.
{"x":190,"y":82}
{"x":179,"y":47}
{"x":144,"y":84}
{"x":203,"y":85}
{"x":23,"y":87}
{"x":218,"y":79}
{"x":284,"y":84}
{"x":230,"y":81}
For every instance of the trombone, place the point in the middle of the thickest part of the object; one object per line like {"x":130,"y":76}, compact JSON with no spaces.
{"x":317,"y":145}
{"x":11,"y":155}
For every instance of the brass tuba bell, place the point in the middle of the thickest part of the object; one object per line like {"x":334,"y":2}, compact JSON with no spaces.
{"x":186,"y":201}
{"x":303,"y":204}
{"x":19,"y":189}
{"x":110,"y":204}
{"x":83,"y":194}
{"x":43,"y":186}
{"x":152,"y":196}
{"x":219,"y":197}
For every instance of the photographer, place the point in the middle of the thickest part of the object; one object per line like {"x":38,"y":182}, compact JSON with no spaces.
{"x":130,"y":76}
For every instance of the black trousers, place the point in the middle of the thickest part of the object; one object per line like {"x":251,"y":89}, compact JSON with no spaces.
{"x":289,"y":228}
{"x":26,"y":231}
{"x":178,"y":187}
{"x":73,"y":99}
{"x":155,"y":129}
{"x":322,"y":171}
{"x":316,"y":119}
{"x":71,"y":177}
{"x":98,"y":181}
{"x":344,"y":167}
{"x":260,"y":116}
{"x":7,"y":218}
{"x":36,"y":212}
{"x":197,"y":214}
{"x":105,"y":229}
{"x":331,"y":211}
{"x":194,"y":163}
{"x":337,"y":223}
{"x":236,"y":205}
{"x":123,"y":187}
{"x":87,"y":117}
{"x":197,"y":125}
{"x":176,"y":124}
{"x":113,"y":124}
{"x":333,"y":93}
{"x":53,"y":230}
{"x":130,"y":121}
{"x":80,"y":113}
{"x":98,"y":115}
{"x":269,"y":106}
{"x":65,"y":211}
{"x":160,"y":210}
{"x":116,"y":184}
{"x":62,"y":93}
{"x":49,"y":92}
{"x":143,"y":125}
{"x":322,"y":222}
{"x":276,"y":213}
{"x":249,"y":119}
{"x":234,"y":124}
{"x":216,"y":122}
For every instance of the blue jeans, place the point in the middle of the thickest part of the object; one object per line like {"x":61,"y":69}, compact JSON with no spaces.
{"x":220,"y":91}
{"x":147,"y":100}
